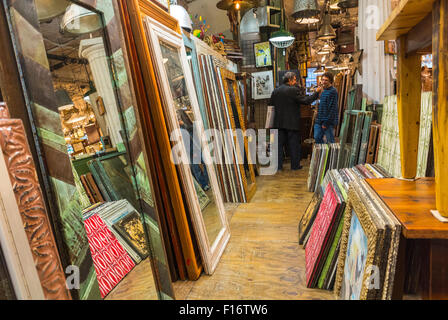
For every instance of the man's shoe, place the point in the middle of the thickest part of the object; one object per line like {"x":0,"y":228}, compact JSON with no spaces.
{"x":295,"y":169}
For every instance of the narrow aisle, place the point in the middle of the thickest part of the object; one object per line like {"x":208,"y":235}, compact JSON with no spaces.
{"x":263,"y":259}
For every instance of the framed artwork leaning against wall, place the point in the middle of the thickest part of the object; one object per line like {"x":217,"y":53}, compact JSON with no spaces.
{"x":179,"y":99}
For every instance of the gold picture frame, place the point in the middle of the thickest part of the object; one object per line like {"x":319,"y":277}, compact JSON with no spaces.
{"x":164,"y":4}
{"x":100,"y":106}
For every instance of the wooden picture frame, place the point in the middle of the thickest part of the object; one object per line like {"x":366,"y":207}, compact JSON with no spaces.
{"x":100,"y":105}
{"x":263,"y":60}
{"x":155,"y":136}
{"x":237,"y":122}
{"x":164,"y":4}
{"x":159,"y":35}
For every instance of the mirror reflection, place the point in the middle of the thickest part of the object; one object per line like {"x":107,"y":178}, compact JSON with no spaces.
{"x":105,"y":227}
{"x":186,"y":118}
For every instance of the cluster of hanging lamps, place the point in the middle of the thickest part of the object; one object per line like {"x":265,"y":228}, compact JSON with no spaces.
{"x":306,"y":11}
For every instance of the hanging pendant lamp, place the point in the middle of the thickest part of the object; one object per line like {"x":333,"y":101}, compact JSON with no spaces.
{"x":326,"y":31}
{"x":79,"y":20}
{"x":282,"y":39}
{"x":48,"y":9}
{"x":348,"y":4}
{"x":306,"y":11}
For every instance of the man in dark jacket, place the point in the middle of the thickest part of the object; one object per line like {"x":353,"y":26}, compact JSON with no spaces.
{"x":287,"y":100}
{"x":327,"y":115}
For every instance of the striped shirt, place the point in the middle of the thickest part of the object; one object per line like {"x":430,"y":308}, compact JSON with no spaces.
{"x":328,"y":112}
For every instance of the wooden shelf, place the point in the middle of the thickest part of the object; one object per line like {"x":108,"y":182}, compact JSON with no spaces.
{"x":411,"y":202}
{"x":404,"y":17}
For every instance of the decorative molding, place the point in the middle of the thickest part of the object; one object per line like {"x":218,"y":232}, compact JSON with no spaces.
{"x":22,"y":173}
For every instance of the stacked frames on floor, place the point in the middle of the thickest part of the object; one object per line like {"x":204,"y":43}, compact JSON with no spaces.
{"x":324,"y":158}
{"x":236,"y":177}
{"x":321,"y":226}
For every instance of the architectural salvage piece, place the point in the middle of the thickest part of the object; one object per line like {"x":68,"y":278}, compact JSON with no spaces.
{"x":29,"y":198}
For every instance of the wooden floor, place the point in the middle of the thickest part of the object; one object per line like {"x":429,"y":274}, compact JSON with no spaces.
{"x":263,"y":259}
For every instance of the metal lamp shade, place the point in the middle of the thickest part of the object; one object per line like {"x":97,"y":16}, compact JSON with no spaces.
{"x":305,"y":9}
{"x":282,"y":39}
{"x":182,"y":16}
{"x":348,"y":4}
{"x":326,"y":31}
{"x":79,"y":20}
{"x":48,"y":9}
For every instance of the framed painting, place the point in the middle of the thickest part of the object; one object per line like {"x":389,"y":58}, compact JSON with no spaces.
{"x":263,"y":56}
{"x":262,"y":85}
{"x":233,"y":104}
{"x":178,"y":95}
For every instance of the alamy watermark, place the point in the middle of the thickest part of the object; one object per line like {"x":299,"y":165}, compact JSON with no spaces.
{"x":226,"y":148}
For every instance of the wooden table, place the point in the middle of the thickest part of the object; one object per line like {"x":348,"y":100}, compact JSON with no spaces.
{"x":411,"y":202}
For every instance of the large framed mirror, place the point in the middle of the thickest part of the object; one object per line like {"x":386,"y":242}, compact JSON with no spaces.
{"x":81,"y":107}
{"x":194,"y":163}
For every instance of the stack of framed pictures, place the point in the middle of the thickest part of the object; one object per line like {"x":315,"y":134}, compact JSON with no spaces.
{"x":317,"y":215}
{"x":369,"y":247}
{"x":324,"y":158}
{"x":231,"y":153}
{"x":322,"y":235}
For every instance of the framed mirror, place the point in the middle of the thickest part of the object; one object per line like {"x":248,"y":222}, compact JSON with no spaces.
{"x":181,"y":109}
{"x":233,"y":105}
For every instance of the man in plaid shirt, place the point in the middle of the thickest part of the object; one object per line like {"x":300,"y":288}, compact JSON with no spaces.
{"x":327,"y":115}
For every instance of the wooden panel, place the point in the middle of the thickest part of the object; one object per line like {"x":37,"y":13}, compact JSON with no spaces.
{"x":411,"y":202}
{"x":440,"y":103}
{"x":409,"y":105}
{"x":404,"y":17}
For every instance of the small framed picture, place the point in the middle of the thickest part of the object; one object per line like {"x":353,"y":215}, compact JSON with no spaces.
{"x":164,"y":4}
{"x":263,"y":57}
{"x":263,"y":85}
{"x":100,"y":105}
{"x":390,"y":47}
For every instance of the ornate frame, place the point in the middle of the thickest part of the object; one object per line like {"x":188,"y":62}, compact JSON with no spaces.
{"x":374,"y":229}
{"x":31,"y":208}
{"x":210,"y":252}
{"x":227,"y":75}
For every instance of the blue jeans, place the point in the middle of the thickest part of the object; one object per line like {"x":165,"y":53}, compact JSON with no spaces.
{"x":320,"y":132}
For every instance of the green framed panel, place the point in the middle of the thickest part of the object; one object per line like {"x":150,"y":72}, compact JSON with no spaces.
{"x":350,"y":132}
{"x":356,"y":143}
{"x":365,"y":138}
{"x":190,"y":48}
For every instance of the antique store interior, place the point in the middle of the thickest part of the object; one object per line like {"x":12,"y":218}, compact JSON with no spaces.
{"x":139,"y":151}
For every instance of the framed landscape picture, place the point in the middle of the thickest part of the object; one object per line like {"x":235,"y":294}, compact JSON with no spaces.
{"x":263,"y":57}
{"x":263,"y":85}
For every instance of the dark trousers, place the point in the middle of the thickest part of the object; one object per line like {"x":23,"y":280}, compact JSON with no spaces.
{"x":292,"y":139}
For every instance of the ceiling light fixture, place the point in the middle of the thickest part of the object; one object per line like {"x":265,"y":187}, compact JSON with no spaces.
{"x":306,"y":11}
